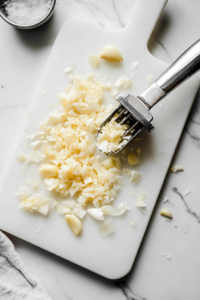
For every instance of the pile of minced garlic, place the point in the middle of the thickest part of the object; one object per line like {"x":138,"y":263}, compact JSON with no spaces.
{"x":65,"y":149}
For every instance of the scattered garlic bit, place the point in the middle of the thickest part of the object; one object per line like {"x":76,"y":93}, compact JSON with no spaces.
{"x":35,"y":157}
{"x":31,"y":184}
{"x":110,"y":211}
{"x":110,"y":138}
{"x":134,"y":223}
{"x":38,"y":229}
{"x":74,"y":224}
{"x":35,"y":203}
{"x":123,"y":81}
{"x":176,"y":169}
{"x":133,"y":159}
{"x":111,"y":54}
{"x":134,"y":175}
{"x":187,"y":192}
{"x":166,"y":213}
{"x":44,"y":92}
{"x":106,"y":228}
{"x":48,"y":170}
{"x":68,"y":70}
{"x":133,"y":193}
{"x":36,"y":143}
{"x":140,"y":202}
{"x":138,"y":151}
{"x":111,"y":162}
{"x":166,"y":199}
{"x":115,"y":92}
{"x":79,"y":212}
{"x":94,"y":60}
{"x":150,"y":79}
{"x":135,"y":65}
{"x":96,"y":213}
{"x":167,"y":255}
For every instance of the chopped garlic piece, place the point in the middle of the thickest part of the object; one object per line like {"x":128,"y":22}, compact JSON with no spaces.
{"x":166,"y":199}
{"x":96,"y":213}
{"x":110,"y":138}
{"x":123,"y":81}
{"x":167,"y":255}
{"x":176,"y":169}
{"x":140,"y":202}
{"x":106,"y":228}
{"x":94,"y":60}
{"x":110,"y":211}
{"x":79,"y":212}
{"x":38,"y":229}
{"x":135,"y":65}
{"x":134,"y":175}
{"x":35,"y":202}
{"x":150,"y":79}
{"x":30,"y":183}
{"x":74,"y":224}
{"x":166,"y":213}
{"x":111,"y":162}
{"x":138,"y":151}
{"x":111,"y":54}
{"x":68,"y":70}
{"x":33,"y":157}
{"x":133,"y":159}
{"x":134,"y":223}
{"x":187,"y":192}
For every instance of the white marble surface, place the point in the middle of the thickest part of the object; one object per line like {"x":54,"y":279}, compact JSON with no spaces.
{"x":23,"y":56}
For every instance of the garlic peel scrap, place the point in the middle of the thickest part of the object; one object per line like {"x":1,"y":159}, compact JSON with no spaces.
{"x":106,"y":228}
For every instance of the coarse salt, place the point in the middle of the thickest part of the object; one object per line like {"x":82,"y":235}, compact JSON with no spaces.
{"x":27,"y":12}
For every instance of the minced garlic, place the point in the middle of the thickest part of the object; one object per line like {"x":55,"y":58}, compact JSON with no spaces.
{"x":110,"y":139}
{"x":67,"y":142}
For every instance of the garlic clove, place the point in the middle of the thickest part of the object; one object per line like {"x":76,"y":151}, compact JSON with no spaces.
{"x":48,"y":170}
{"x":74,"y":224}
{"x":176,"y":169}
{"x":111,"y":54}
{"x":166,"y":213}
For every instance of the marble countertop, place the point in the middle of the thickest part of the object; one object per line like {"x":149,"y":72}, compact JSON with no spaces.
{"x":153,"y":277}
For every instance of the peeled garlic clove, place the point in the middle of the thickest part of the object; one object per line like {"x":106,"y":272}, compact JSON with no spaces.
{"x":166,"y":213}
{"x":48,"y":170}
{"x":111,"y":53}
{"x":74,"y":224}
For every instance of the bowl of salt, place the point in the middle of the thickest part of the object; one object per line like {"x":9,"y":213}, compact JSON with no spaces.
{"x":26,"y":14}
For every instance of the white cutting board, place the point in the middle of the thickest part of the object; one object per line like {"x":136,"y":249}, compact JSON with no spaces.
{"x":111,"y":256}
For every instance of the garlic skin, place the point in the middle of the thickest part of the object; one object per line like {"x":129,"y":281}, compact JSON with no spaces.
{"x":166,"y":213}
{"x":111,"y":54}
{"x":74,"y":224}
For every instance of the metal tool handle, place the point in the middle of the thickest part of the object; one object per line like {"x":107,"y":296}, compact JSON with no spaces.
{"x":182,"y":69}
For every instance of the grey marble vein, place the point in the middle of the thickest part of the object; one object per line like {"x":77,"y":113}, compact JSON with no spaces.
{"x":186,"y":205}
{"x":163,"y":47}
{"x":92,"y":5}
{"x":127,"y":291}
{"x":194,"y":136}
{"x":117,"y":14}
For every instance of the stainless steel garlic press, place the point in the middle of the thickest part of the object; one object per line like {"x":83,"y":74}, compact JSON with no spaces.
{"x":134,"y":111}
